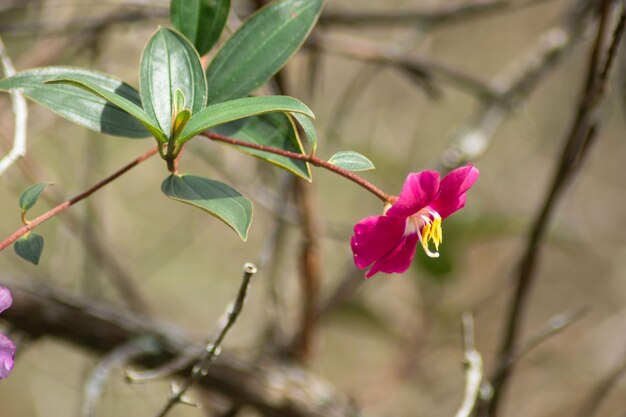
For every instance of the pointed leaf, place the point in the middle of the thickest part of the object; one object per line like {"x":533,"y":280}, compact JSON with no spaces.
{"x":274,"y":130}
{"x":29,"y":247}
{"x":201,"y":21}
{"x":77,"y":105}
{"x":260,"y":48}
{"x":29,"y":196}
{"x":121,"y":102}
{"x":170,"y":63}
{"x":214,"y":197}
{"x":308,"y":128}
{"x":229,"y":111}
{"x":351,"y":161}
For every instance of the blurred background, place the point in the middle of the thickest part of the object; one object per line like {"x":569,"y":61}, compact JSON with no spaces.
{"x":410,"y":96}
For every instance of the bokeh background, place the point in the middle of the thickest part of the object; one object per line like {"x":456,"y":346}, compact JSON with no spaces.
{"x":395,"y":344}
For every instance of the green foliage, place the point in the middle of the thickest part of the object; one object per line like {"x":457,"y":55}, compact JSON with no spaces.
{"x":29,"y":196}
{"x":260,"y":48}
{"x":77,"y":105}
{"x":214,"y":197}
{"x":121,"y":102}
{"x":172,"y":102}
{"x":275,"y":130}
{"x":170,"y":63}
{"x":229,"y":111}
{"x":351,"y":161}
{"x":201,"y":21}
{"x":29,"y":247}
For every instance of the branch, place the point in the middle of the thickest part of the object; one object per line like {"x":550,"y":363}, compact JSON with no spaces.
{"x":577,"y":145}
{"x":212,"y":350}
{"x":278,"y":390}
{"x":98,"y":377}
{"x":515,"y":84}
{"x":65,"y":205}
{"x":473,"y":370}
{"x":20,"y":110}
{"x":313,"y":160}
{"x":424,"y":70}
{"x":602,"y":390}
{"x":460,"y":12}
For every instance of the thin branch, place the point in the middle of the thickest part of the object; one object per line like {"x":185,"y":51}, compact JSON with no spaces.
{"x":602,"y":390}
{"x":310,"y":273}
{"x":423,"y":70}
{"x":555,"y":326}
{"x":273,"y":390}
{"x":58,"y":209}
{"x":460,"y":12}
{"x":473,"y":369}
{"x":577,"y":145}
{"x":96,"y":381}
{"x":313,"y":160}
{"x":20,"y":111}
{"x":515,"y":84}
{"x":212,"y":350}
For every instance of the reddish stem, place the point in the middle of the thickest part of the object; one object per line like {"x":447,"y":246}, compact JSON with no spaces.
{"x":56,"y":210}
{"x":313,"y":160}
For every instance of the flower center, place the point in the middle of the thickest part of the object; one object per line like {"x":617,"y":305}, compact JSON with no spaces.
{"x":427,"y":224}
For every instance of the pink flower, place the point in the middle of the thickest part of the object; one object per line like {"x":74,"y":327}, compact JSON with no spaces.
{"x":389,"y":241}
{"x":7,"y":348}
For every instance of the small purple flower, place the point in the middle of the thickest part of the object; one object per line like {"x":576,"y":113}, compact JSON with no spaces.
{"x":7,"y":348}
{"x":388,"y":242}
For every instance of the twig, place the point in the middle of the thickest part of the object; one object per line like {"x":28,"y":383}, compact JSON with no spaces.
{"x":516,"y":84}
{"x":212,"y":350}
{"x":20,"y":111}
{"x":555,"y":326}
{"x":577,"y":145}
{"x":473,"y":368}
{"x":313,"y":160}
{"x":310,"y":272}
{"x":271,"y":389}
{"x":98,"y":377}
{"x":58,"y":209}
{"x":602,"y":390}
{"x":424,"y":70}
{"x":462,"y":11}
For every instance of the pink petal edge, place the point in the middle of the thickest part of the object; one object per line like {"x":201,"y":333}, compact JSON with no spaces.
{"x":419,"y":189}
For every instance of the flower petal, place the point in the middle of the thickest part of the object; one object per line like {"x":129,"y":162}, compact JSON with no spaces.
{"x":374,"y":237}
{"x":5,"y":298}
{"x":398,"y":260}
{"x":452,"y":187}
{"x":7,"y":355}
{"x":418,"y":190}
{"x":446,"y":208}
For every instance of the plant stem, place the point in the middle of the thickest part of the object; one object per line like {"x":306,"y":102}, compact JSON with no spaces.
{"x":313,"y":160}
{"x":66,"y":204}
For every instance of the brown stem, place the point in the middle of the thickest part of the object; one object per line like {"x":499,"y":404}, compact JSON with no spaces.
{"x":302,"y":344}
{"x":66,"y":204}
{"x":313,"y":160}
{"x":582,"y":132}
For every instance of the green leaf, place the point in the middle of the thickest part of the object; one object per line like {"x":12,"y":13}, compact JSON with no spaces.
{"x":351,"y":161}
{"x":273,"y":129}
{"x":260,"y":48}
{"x":170,"y":63}
{"x":229,"y":111}
{"x":120,"y":101}
{"x":308,"y":128}
{"x":214,"y":197}
{"x":201,"y":21}
{"x":77,"y":105}
{"x":29,"y":247}
{"x":29,"y":197}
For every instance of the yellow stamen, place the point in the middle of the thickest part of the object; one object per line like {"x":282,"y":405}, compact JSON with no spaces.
{"x":432,"y":231}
